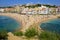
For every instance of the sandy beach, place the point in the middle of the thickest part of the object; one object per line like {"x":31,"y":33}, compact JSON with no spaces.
{"x":26,"y":21}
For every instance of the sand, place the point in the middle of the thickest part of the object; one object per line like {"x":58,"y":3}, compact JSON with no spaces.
{"x":26,"y":21}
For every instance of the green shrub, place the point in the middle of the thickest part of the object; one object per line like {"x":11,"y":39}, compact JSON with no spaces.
{"x":30,"y":33}
{"x":48,"y":36}
{"x":18,"y":33}
{"x":3,"y":35}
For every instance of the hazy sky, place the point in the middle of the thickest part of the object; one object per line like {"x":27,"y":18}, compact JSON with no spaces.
{"x":14,"y":2}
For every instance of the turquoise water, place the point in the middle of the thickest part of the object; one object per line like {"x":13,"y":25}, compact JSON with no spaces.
{"x":51,"y":25}
{"x":9,"y":24}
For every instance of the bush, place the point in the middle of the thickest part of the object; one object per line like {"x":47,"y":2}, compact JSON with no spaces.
{"x":30,"y":33}
{"x":3,"y":35}
{"x":48,"y":36}
{"x":18,"y":33}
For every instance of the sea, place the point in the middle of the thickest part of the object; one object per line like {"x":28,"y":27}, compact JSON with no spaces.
{"x":51,"y":25}
{"x":9,"y":24}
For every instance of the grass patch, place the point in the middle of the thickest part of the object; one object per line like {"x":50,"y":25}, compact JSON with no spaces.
{"x":45,"y":35}
{"x":18,"y":33}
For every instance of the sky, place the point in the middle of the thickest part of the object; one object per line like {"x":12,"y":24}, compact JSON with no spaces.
{"x":16,"y":2}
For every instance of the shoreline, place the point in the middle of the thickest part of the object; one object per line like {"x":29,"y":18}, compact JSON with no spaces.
{"x":27,"y":20}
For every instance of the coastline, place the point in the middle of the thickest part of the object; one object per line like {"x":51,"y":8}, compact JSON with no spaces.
{"x":27,"y":20}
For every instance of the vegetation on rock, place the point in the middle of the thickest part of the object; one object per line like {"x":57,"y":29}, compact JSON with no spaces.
{"x":31,"y":33}
{"x":3,"y":35}
{"x":45,"y":35}
{"x":18,"y":33}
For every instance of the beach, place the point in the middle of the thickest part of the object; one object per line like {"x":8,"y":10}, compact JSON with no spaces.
{"x":26,"y":21}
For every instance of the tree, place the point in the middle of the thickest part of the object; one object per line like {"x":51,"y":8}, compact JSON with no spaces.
{"x":31,"y":33}
{"x":3,"y":34}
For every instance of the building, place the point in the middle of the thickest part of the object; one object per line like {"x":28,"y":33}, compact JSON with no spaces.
{"x":17,"y":8}
{"x":12,"y":9}
{"x":58,"y":9}
{"x":43,"y":10}
{"x":1,"y":9}
{"x":36,"y":10}
{"x":52,"y":10}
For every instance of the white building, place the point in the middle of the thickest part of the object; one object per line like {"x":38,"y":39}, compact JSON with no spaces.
{"x":43,"y":10}
{"x":37,"y":10}
{"x":25,"y":10}
{"x":1,"y":10}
